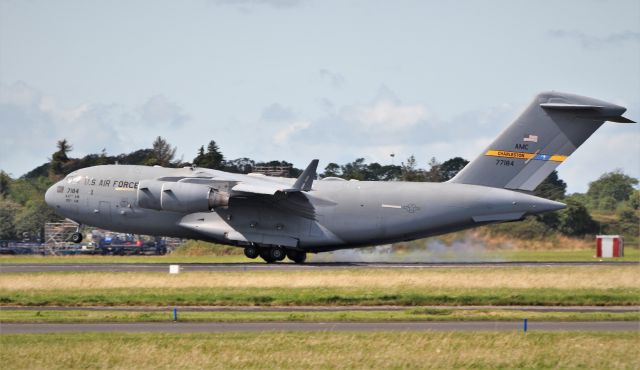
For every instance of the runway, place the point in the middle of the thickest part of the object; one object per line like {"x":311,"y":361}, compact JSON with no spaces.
{"x":188,"y":267}
{"x":171,"y":327}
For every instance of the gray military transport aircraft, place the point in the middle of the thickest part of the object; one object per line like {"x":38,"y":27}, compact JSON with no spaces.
{"x":275,"y":217}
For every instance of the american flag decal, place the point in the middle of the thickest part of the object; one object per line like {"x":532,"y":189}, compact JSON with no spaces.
{"x":60,"y":189}
{"x":531,"y":138}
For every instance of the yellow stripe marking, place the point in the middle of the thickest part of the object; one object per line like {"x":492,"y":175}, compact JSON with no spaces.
{"x":524,"y":155}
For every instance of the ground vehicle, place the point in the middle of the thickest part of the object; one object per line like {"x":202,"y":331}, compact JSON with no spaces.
{"x":121,"y":246}
{"x":13,"y":247}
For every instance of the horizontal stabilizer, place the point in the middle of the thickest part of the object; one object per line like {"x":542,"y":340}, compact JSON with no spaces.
{"x":620,"y":119}
{"x":607,"y":113}
{"x":566,"y":106}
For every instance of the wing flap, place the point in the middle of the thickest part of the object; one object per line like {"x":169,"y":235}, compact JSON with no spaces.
{"x":257,"y":186}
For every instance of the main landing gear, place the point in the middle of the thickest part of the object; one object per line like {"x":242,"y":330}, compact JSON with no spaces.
{"x":271,"y":254}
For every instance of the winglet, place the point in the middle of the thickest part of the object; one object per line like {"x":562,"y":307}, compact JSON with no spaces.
{"x":304,"y":182}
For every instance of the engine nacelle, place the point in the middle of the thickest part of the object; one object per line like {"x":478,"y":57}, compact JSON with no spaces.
{"x":179,"y":196}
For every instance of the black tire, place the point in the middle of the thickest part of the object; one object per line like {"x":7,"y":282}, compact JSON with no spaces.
{"x":251,"y":251}
{"x":278,"y":253}
{"x":265,"y":254}
{"x":76,"y":237}
{"x":297,"y":256}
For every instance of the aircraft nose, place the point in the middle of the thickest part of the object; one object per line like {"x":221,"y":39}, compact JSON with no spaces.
{"x":50,"y":195}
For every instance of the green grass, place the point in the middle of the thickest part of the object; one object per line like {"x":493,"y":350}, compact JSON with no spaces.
{"x":335,"y":350}
{"x":556,"y":285}
{"x":368,"y":296}
{"x":417,"y":314}
{"x":631,"y":254}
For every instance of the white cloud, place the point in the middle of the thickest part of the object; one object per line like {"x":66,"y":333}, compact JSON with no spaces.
{"x":592,"y":41}
{"x":386,"y":126}
{"x":36,"y":121}
{"x":613,"y":146}
{"x":244,"y":5}
{"x":159,"y":111}
{"x":277,"y":112}
{"x":336,"y":79}
{"x":386,"y":115}
{"x":281,"y":137}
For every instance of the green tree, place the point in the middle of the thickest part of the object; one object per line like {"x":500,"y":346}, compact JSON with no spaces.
{"x":213,"y":158}
{"x":103,"y":158}
{"x":332,"y":170}
{"x":239,"y":165}
{"x":450,"y":168}
{"x":634,"y":199}
{"x":575,"y":220}
{"x":355,"y":170}
{"x":434,"y":174}
{"x":31,"y":219}
{"x":377,"y":172}
{"x":59,"y":159}
{"x":214,"y":155}
{"x":410,"y":170}
{"x":162,"y":153}
{"x":5,"y":182}
{"x":8,"y":210}
{"x":200,"y":158}
{"x":552,"y":187}
{"x":610,"y":189}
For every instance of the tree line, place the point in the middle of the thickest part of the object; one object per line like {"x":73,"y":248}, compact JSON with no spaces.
{"x":610,"y":205}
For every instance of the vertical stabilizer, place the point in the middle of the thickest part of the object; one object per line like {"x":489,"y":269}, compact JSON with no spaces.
{"x":552,"y":127}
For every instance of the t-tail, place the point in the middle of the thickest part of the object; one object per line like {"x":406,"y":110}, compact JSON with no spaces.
{"x":552,"y":127}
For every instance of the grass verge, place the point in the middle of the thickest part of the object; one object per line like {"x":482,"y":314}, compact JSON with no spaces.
{"x":418,"y":314}
{"x":320,"y":297}
{"x":573,"y":285}
{"x":555,"y":277}
{"x":290,"y":350}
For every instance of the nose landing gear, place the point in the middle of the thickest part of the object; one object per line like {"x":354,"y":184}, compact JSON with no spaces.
{"x":77,"y":236}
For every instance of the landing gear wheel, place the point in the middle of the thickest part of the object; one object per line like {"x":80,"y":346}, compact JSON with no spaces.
{"x":297,"y":256}
{"x":278,"y":253}
{"x":76,"y":237}
{"x":265,"y":254}
{"x":251,"y":252}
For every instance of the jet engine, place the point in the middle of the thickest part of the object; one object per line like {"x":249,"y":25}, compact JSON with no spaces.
{"x":179,"y":196}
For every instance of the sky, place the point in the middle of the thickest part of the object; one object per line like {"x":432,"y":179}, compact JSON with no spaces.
{"x":302,"y":79}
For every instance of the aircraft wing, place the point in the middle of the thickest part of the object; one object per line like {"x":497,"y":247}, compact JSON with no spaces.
{"x":260,"y":186}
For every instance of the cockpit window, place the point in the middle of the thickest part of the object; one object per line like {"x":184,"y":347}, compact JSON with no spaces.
{"x":73,"y":178}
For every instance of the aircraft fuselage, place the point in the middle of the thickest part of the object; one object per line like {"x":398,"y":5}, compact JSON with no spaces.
{"x":333,"y":215}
